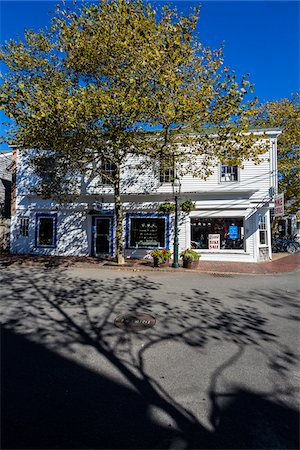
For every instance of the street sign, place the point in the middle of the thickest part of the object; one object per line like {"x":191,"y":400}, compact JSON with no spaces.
{"x":279,"y":205}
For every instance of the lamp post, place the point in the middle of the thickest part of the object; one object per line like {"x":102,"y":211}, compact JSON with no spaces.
{"x":176,"y":192}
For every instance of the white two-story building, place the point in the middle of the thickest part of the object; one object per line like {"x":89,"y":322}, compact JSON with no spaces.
{"x":230,"y":222}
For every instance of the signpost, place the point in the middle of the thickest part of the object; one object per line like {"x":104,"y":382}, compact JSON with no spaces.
{"x":279,"y":205}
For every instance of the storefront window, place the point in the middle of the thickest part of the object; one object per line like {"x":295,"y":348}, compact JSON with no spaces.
{"x":214,"y":234}
{"x":147,"y":232}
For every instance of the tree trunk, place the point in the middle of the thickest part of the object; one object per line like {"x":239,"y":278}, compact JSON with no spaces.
{"x":119,"y":219}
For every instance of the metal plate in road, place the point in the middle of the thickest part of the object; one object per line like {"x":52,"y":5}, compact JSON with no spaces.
{"x":135,"y":321}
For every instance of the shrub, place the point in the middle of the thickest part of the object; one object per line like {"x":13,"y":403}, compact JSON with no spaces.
{"x":161,"y":254}
{"x":190,"y":255}
{"x":187,"y":206}
{"x":166,"y":208}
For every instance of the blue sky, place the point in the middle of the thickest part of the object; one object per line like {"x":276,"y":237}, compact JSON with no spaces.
{"x":260,"y":37}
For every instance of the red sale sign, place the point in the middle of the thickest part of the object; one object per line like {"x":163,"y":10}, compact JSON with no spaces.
{"x":214,"y":242}
{"x":279,"y":205}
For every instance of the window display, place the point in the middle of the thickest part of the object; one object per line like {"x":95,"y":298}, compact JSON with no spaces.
{"x":147,"y":232}
{"x":206,"y":230}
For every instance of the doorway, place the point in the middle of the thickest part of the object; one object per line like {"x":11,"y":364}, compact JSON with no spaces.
{"x":102,"y":236}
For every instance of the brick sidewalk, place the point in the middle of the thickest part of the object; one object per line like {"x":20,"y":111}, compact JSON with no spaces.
{"x":288,"y":263}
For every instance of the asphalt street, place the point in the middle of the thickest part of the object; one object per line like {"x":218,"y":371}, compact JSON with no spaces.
{"x":218,"y":370}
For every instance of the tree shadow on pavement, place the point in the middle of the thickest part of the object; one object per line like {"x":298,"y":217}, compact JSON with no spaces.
{"x":253,"y":421}
{"x":51,"y":402}
{"x":61,"y":350}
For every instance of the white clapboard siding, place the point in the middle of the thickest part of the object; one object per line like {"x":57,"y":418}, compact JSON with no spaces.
{"x":142,"y":180}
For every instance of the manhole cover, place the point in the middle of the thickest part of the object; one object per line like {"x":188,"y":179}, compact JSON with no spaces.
{"x":222,"y":275}
{"x":135,"y":321}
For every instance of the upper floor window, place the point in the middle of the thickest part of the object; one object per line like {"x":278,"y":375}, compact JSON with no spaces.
{"x":166,"y":170}
{"x":229,"y":173}
{"x":108,"y":171}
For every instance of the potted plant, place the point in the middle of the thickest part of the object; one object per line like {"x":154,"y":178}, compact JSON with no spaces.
{"x":166,"y":208}
{"x":160,"y":257}
{"x":190,"y":258}
{"x":187,"y":206}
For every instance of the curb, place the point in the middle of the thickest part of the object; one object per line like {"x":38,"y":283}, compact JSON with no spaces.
{"x":285,"y":264}
{"x":79,"y":265}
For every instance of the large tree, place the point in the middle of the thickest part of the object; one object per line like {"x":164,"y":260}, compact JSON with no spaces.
{"x":285,"y":114}
{"x":81,"y":92}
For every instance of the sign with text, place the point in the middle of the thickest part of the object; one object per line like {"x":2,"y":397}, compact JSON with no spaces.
{"x":214,"y":242}
{"x":233,"y":232}
{"x":279,"y":205}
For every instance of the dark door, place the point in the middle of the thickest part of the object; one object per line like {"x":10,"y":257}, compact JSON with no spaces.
{"x":102,"y":237}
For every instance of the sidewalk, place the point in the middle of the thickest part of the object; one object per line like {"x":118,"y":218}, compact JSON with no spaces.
{"x":281,"y":263}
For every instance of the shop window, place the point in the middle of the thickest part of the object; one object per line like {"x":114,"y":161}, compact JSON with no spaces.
{"x":46,"y":230}
{"x":166,"y":170}
{"x":229,"y":173}
{"x":282,"y":228}
{"x":217,"y":233}
{"x":147,"y":232}
{"x":263,"y":233}
{"x":23,"y":226}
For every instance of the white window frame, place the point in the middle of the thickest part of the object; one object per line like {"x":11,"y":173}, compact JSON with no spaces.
{"x":262,"y":228}
{"x":223,"y":250}
{"x":108,"y":170}
{"x":229,"y":172}
{"x":166,"y":171}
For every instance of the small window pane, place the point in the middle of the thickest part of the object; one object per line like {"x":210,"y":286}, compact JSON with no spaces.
{"x":262,"y":237}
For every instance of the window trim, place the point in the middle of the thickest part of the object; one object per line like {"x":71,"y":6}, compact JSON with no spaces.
{"x":265,"y":229}
{"x":229,"y":181}
{"x":109,"y":214}
{"x":107,"y":173}
{"x":23,"y":226}
{"x":223,"y":250}
{"x":54,"y":228}
{"x":130,"y":216}
{"x":162,"y":171}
